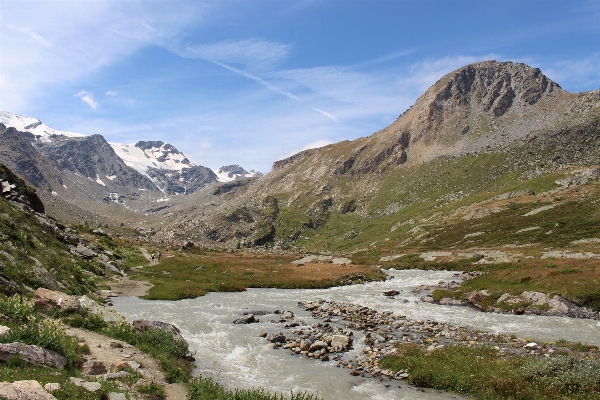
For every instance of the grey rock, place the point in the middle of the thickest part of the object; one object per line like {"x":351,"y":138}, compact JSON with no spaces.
{"x":32,"y":354}
{"x":24,"y":390}
{"x":89,"y":386}
{"x":48,"y":299}
{"x":116,"y":396}
{"x":51,"y":387}
{"x":246,"y":319}
{"x":93,"y":367}
{"x":4,"y":329}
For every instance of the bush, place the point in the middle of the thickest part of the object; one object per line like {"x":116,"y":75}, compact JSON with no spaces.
{"x":565,"y":373}
{"x":18,"y":309}
{"x":47,"y":334}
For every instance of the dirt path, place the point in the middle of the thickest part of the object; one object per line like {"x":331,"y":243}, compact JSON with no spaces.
{"x":153,"y":261}
{"x":114,"y":353}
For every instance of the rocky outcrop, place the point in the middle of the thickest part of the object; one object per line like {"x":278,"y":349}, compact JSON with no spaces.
{"x":24,"y":390}
{"x":31,"y":354}
{"x":48,"y":299}
{"x":14,"y":189}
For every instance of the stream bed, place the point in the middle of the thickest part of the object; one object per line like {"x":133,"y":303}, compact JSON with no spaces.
{"x":236,"y":355}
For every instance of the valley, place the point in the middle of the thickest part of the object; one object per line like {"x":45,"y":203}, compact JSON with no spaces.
{"x":470,"y":223}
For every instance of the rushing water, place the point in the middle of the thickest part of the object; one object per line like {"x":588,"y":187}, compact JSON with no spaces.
{"x":236,"y":356}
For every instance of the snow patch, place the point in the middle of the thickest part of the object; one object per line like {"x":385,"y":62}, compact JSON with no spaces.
{"x":99,"y":181}
{"x":41,"y":131}
{"x":111,"y":177}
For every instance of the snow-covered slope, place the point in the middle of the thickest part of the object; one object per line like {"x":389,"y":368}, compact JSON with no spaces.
{"x":154,"y":154}
{"x":40,"y":130}
{"x":230,"y":173}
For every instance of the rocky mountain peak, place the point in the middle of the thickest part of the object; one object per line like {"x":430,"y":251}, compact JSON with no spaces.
{"x":232,"y":172}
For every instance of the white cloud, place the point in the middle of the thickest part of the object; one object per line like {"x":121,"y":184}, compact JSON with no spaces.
{"x":325,"y":113}
{"x":110,"y":93}
{"x":253,"y":53}
{"x":87,"y":98}
{"x":50,"y":43}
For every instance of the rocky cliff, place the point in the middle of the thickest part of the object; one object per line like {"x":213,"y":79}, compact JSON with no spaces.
{"x":475,"y":129}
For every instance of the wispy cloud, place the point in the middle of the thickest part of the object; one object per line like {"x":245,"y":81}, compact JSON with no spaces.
{"x":259,"y":80}
{"x":110,"y":93}
{"x":87,"y":98}
{"x":253,"y":53}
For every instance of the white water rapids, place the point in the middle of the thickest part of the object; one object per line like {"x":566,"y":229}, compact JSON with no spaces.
{"x":236,"y":356}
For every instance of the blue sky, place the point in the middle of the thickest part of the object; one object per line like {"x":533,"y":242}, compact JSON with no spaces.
{"x":251,"y":82}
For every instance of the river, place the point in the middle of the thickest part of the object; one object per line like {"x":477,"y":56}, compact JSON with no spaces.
{"x":236,"y":356}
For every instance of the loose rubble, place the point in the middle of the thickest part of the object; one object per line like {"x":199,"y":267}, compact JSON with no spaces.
{"x":334,"y":336}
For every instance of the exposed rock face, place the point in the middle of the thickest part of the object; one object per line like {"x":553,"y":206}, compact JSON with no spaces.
{"x":31,"y":354}
{"x":47,"y":299}
{"x":14,"y":189}
{"x":184,"y":181}
{"x":94,"y":158}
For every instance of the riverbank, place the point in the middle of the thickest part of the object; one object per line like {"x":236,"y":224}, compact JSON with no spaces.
{"x":440,"y":355}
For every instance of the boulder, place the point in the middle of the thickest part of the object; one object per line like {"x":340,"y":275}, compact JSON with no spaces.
{"x":108,"y":314}
{"x":340,"y":342}
{"x":246,"y":319}
{"x":535,"y":298}
{"x":32,"y":354}
{"x":448,"y":301}
{"x":287,"y":315}
{"x":391,"y":293}
{"x":278,"y":337}
{"x":318,"y":345}
{"x":89,"y":386}
{"x":8,"y":287}
{"x":99,"y":232}
{"x":24,"y":390}
{"x":4,"y":329}
{"x":47,"y":299}
{"x":47,"y":279}
{"x":83,"y":252}
{"x":341,"y":261}
{"x":509,"y":299}
{"x":51,"y":387}
{"x":143,"y":324}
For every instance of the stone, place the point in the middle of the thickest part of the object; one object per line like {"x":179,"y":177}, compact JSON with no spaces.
{"x":113,"y":376}
{"x":83,"y":252}
{"x":89,"y":386}
{"x":531,"y":346}
{"x":4,"y":329}
{"x":278,"y":337}
{"x":318,"y":345}
{"x":99,"y":232}
{"x":427,"y":299}
{"x":246,"y":319}
{"x":8,"y":287}
{"x":32,"y":354}
{"x":24,"y":390}
{"x":287,"y":315}
{"x":341,"y":261}
{"x":391,"y":293}
{"x":509,"y":299}
{"x":47,"y":299}
{"x":116,"y":396}
{"x":340,"y":342}
{"x":93,"y":367}
{"x":535,"y":298}
{"x":47,"y":279}
{"x":108,"y":314}
{"x":448,"y":301}
{"x":51,"y":387}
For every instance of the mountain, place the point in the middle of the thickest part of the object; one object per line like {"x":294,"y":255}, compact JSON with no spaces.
{"x":84,"y":170}
{"x":233,"y":172}
{"x":478,"y":132}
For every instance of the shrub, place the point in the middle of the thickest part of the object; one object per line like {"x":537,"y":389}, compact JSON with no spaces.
{"x":18,"y":309}
{"x":206,"y":389}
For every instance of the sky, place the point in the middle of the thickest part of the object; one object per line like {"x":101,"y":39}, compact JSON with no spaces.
{"x":252,"y":82}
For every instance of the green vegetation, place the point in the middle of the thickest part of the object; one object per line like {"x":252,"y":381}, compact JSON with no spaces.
{"x":206,"y":389}
{"x":191,"y":274}
{"x":482,"y":373}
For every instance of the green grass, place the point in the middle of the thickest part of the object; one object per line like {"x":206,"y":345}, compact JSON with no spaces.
{"x":484,"y":374}
{"x":206,"y":389}
{"x":194,"y":273}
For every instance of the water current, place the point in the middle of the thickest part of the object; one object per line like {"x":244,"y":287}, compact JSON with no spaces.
{"x":236,"y":356}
